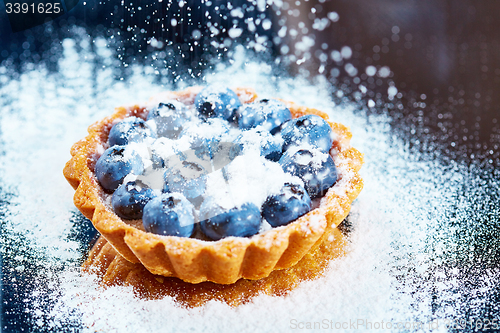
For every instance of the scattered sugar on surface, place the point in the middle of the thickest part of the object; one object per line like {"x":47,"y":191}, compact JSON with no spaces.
{"x":400,"y":223}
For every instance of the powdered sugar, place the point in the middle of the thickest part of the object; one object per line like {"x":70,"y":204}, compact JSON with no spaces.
{"x":315,"y":222}
{"x":257,"y":138}
{"x":315,"y":158}
{"x":248,"y":178}
{"x":140,"y":148}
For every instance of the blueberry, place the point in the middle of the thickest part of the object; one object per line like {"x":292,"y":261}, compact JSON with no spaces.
{"x":159,"y":153}
{"x":131,"y":129}
{"x":315,"y":168}
{"x":238,"y":222}
{"x":283,"y":208}
{"x":170,"y":215}
{"x":157,"y":160}
{"x":129,"y":199}
{"x":115,"y":164}
{"x":268,"y":113}
{"x":216,"y":101}
{"x":310,"y":130}
{"x":169,"y":118}
{"x":270,"y":146}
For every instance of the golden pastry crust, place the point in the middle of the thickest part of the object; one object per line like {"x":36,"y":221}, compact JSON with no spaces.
{"x":229,"y":259}
{"x":112,"y":269}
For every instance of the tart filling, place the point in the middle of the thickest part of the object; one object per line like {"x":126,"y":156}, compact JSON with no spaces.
{"x":238,"y":235}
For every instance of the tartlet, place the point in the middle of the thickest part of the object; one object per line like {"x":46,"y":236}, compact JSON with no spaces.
{"x":111,"y":269}
{"x":229,"y":259}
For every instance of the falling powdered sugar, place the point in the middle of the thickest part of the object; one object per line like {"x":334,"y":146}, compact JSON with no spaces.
{"x":249,"y":178}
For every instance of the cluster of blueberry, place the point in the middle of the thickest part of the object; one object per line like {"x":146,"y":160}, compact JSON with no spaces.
{"x":300,"y":146}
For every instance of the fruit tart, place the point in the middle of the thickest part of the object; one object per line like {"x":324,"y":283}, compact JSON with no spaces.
{"x":213,"y":184}
{"x":111,"y":269}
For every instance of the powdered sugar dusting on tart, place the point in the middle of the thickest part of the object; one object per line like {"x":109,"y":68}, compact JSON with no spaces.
{"x":248,"y":178}
{"x":345,"y":175}
{"x":315,"y":222}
